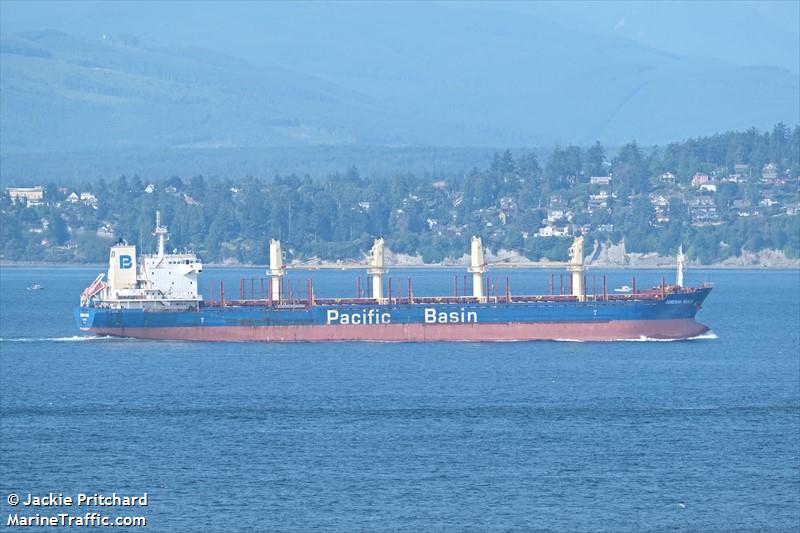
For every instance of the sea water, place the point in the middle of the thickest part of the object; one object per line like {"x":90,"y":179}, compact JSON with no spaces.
{"x":699,"y":435}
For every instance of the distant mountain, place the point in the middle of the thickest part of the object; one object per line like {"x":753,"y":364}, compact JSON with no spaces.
{"x":744,"y":33}
{"x":512,"y":78}
{"x":180,"y":75}
{"x":65,"y":93}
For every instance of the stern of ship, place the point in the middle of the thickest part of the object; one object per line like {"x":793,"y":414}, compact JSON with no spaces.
{"x":84,"y":318}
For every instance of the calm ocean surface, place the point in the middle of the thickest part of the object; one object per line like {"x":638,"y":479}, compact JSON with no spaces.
{"x":700,"y":435}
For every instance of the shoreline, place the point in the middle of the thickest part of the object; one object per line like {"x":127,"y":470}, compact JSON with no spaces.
{"x":604,"y":256}
{"x":422,"y":266}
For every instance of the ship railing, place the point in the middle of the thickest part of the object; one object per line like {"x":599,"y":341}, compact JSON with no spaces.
{"x":259,"y":291}
{"x":296,"y":303}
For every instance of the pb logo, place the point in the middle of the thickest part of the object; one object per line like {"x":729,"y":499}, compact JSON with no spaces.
{"x":125,"y":261}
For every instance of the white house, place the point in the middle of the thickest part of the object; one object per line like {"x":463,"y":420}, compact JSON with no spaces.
{"x":600,"y":180}
{"x":769,"y":172}
{"x":667,"y":177}
{"x":555,"y":214}
{"x":33,"y":195}
{"x":552,"y":231}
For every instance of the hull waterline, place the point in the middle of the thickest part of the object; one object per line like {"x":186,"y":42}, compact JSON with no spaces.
{"x":680,"y":328}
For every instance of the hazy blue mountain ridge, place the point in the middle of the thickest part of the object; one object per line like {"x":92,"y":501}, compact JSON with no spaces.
{"x":743,"y":33}
{"x":65,"y":93}
{"x":178,"y":75}
{"x":520,"y":78}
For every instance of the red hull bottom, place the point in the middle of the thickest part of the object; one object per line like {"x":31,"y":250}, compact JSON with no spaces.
{"x":682,"y":328}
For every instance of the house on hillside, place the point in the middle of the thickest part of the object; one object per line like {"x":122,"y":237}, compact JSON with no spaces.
{"x":88,"y":198}
{"x":742,"y":208}
{"x":703,"y":210}
{"x":106,"y":231}
{"x":508,"y":203}
{"x":742,"y":171}
{"x":553,"y":231}
{"x":768,"y":202}
{"x":660,"y":205}
{"x":32,"y":195}
{"x":792,"y":209}
{"x":600,"y":180}
{"x":658,"y":200}
{"x":667,"y":178}
{"x":769,"y":173}
{"x":597,"y":201}
{"x":740,"y":203}
{"x":660,"y":219}
{"x":554,"y":215}
{"x":699,"y":178}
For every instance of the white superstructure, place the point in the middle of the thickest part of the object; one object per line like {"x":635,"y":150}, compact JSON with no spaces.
{"x":164,"y":281}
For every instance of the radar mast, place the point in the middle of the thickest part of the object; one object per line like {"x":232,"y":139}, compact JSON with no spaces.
{"x":161,"y":233}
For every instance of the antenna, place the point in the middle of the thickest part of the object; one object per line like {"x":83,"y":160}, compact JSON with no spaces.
{"x":161,"y":233}
{"x":681,"y":264}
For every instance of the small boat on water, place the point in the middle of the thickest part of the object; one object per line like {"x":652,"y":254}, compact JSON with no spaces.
{"x":624,"y":288}
{"x":35,"y":287}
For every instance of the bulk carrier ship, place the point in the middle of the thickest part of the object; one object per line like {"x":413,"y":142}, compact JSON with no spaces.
{"x":157,"y":297}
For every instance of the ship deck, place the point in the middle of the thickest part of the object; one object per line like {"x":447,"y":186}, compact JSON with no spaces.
{"x":654,"y":294}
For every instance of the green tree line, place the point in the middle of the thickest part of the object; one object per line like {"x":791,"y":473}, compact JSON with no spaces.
{"x":506,"y":203}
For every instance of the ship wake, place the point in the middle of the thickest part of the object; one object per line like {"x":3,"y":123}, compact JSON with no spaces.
{"x":74,"y":338}
{"x":708,"y":335}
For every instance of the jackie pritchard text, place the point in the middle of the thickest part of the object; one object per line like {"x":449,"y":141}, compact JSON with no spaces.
{"x":79,"y":500}
{"x":49,"y":509}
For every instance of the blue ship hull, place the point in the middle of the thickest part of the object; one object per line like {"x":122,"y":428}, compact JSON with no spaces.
{"x":666,"y":315}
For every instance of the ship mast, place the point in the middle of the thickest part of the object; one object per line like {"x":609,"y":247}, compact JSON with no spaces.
{"x":681,"y":265}
{"x":576,"y":267}
{"x":477,"y":267}
{"x":161,"y":233}
{"x":276,"y":269}
{"x":377,"y":269}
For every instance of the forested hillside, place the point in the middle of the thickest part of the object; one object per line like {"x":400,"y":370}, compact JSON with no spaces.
{"x":717,"y":195}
